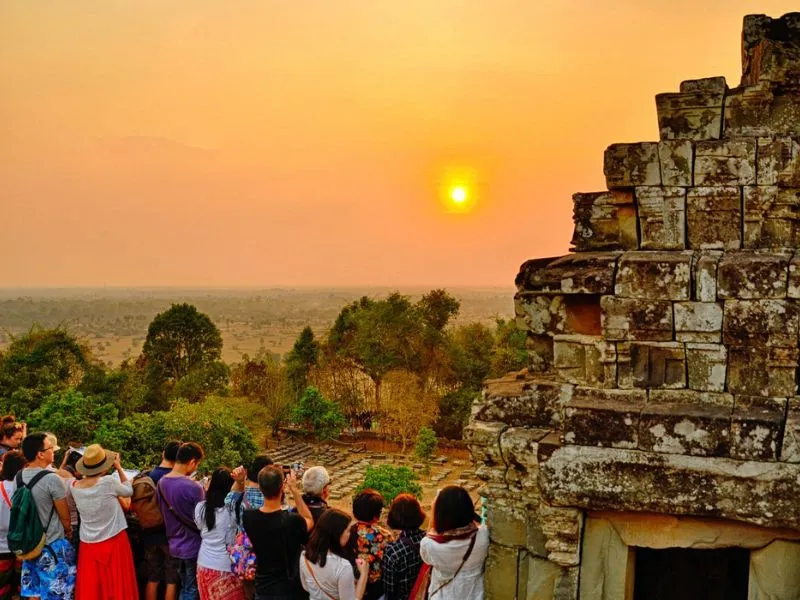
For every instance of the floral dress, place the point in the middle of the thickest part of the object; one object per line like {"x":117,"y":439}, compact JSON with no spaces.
{"x":368,"y":541}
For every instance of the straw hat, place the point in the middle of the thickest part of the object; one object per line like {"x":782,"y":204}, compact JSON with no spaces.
{"x":95,"y":460}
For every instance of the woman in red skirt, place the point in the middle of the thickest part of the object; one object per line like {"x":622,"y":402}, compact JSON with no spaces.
{"x":105,"y":561}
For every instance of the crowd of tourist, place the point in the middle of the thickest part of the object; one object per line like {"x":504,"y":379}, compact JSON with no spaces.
{"x":247,"y":533}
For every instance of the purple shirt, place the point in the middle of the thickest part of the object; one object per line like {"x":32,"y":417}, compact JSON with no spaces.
{"x":183,"y":494}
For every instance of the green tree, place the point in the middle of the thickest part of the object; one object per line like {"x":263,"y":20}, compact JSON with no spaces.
{"x":437,"y":308}
{"x":319,"y":416}
{"x":207,"y":379}
{"x":390,"y":481}
{"x":378,"y":336}
{"x":303,"y":356}
{"x":264,"y":380}
{"x":454,"y":411}
{"x":426,"y":444}
{"x":510,"y":351}
{"x":179,"y":341}
{"x":39,"y":363}
{"x":71,"y":416}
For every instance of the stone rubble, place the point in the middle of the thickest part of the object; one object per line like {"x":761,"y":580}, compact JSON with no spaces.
{"x":665,"y":348}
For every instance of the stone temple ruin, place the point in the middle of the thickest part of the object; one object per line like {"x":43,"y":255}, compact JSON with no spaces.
{"x":653,"y":449}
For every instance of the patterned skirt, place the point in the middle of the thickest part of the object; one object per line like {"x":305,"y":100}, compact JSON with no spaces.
{"x":218,"y":585}
{"x":9,"y":576}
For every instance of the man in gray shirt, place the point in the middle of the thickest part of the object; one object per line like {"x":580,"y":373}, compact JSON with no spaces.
{"x":52,"y":574}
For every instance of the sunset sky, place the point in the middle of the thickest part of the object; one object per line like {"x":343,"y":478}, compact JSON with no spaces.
{"x":261,"y":143}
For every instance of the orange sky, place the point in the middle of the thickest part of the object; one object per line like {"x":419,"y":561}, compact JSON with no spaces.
{"x":277,"y":142}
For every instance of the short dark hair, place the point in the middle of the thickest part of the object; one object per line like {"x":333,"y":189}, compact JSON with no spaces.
{"x":270,"y":480}
{"x":367,"y":505}
{"x":171,"y":450}
{"x":405,"y":513}
{"x":13,"y":463}
{"x":188,"y":452}
{"x":326,"y":536}
{"x":33,"y":444}
{"x":259,"y":462}
{"x":452,"y":509}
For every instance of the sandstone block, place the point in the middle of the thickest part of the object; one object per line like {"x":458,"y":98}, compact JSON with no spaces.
{"x":762,"y":493}
{"x":694,"y":113}
{"x":483,"y":440}
{"x":705,"y":84}
{"x":774,"y":157}
{"x":500,"y":575}
{"x":540,"y":314}
{"x":714,"y":218}
{"x":771,"y":217}
{"x":563,"y":528}
{"x":604,"y":221}
{"x":603,"y":417}
{"x":635,"y":319}
{"x":654,"y":275}
{"x":630,"y":165}
{"x":793,"y":289}
{"x":775,"y":571}
{"x":519,"y":446}
{"x":676,"y":158}
{"x":662,"y":217}
{"x":761,"y":110}
{"x":706,"y":367}
{"x":789,"y":175}
{"x":605,"y":564}
{"x":760,"y":322}
{"x":690,"y":398}
{"x":698,"y":322}
{"x":549,"y":581}
{"x":583,"y":273}
{"x":658,"y":365}
{"x":760,"y":371}
{"x":585,"y":360}
{"x":526,"y":402}
{"x":540,"y":351}
{"x":684,"y":429}
{"x":790,"y":451}
{"x":750,"y":275}
{"x":508,"y":526}
{"x":624,"y":366}
{"x":769,"y":49}
{"x":756,"y":426}
{"x":705,"y":275}
{"x":725,"y":162}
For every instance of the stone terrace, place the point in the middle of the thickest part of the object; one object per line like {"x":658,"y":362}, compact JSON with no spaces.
{"x":661,"y":409}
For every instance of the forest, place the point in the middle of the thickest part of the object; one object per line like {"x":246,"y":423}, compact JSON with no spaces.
{"x":402,"y":366}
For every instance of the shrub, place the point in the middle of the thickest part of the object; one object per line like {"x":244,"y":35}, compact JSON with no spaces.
{"x":390,"y":481}
{"x":426,"y":444}
{"x":319,"y":416}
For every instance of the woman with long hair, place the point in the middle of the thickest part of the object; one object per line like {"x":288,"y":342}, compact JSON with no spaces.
{"x":105,"y":560}
{"x":455,"y":547}
{"x":13,"y":462}
{"x":325,"y":569}
{"x":215,"y":581}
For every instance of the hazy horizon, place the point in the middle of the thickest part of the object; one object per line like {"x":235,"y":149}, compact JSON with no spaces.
{"x":224,"y":145}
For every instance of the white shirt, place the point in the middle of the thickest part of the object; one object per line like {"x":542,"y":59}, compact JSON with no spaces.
{"x":214,"y":545}
{"x":336,"y":578}
{"x":5,"y":514}
{"x":101,"y":515}
{"x":445,"y":559}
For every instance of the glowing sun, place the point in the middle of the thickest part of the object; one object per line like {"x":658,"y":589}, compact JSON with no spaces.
{"x":458,"y":194}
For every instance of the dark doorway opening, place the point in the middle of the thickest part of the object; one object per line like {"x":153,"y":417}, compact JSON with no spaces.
{"x":686,"y":574}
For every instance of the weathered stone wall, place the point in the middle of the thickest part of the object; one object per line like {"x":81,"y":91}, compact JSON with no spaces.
{"x":665,"y":348}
